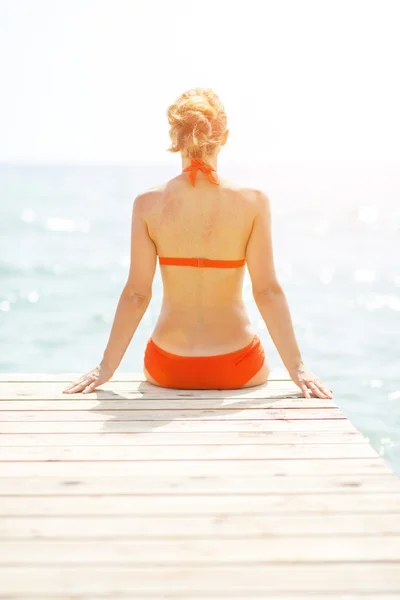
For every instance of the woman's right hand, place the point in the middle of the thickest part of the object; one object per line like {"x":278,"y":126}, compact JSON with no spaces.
{"x":90,"y":381}
{"x":310,"y":384}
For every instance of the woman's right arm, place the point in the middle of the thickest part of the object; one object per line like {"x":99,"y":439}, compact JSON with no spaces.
{"x":272,"y":303}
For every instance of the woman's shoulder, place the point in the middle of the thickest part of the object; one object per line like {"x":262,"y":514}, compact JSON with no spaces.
{"x":149,"y":196}
{"x":253,"y":195}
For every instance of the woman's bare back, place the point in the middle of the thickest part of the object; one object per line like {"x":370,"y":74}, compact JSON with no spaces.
{"x":203,"y":312}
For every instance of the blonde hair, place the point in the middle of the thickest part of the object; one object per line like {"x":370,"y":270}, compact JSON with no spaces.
{"x":197,"y":123}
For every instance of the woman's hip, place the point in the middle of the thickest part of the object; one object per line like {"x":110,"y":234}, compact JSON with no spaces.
{"x":239,"y":368}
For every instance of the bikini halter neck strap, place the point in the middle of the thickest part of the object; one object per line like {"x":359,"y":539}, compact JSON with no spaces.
{"x":196,"y":164}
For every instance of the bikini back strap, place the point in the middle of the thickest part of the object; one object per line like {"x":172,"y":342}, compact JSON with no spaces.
{"x":202,"y":262}
{"x":197,"y":164}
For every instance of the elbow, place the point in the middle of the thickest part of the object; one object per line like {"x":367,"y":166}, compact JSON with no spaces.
{"x":137,"y":299}
{"x":268,"y":293}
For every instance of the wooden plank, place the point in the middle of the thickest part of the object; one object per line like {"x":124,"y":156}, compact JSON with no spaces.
{"x":182,"y":438}
{"x":164,"y":404}
{"x":301,"y":550}
{"x":169,"y":415}
{"x":223,"y":526}
{"x":115,"y":395}
{"x":175,"y":426}
{"x":178,"y":596}
{"x":345,"y":484}
{"x":45,"y":388}
{"x":188,"y":453}
{"x":242,"y":468}
{"x":304,"y":578}
{"x":169,"y":504}
{"x":52,"y":486}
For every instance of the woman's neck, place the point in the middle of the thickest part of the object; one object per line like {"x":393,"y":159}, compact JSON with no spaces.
{"x":208,"y":160}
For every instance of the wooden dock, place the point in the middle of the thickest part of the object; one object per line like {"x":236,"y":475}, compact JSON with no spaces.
{"x":142,"y":492}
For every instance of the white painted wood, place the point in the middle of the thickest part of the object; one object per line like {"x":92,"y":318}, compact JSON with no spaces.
{"x":138,"y":491}
{"x":167,"y":504}
{"x":234,"y":404}
{"x":200,"y":552}
{"x":115,"y":395}
{"x":265,"y":578}
{"x":235,"y":468}
{"x":225,"y":526}
{"x":145,"y":389}
{"x":204,"y":596}
{"x":162,"y":415}
{"x":175,"y":426}
{"x":182,"y":438}
{"x":110,"y":486}
{"x":187,"y":453}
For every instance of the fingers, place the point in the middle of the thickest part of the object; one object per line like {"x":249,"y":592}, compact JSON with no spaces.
{"x":75,"y":384}
{"x":318,"y":389}
{"x":305,"y":390}
{"x":321,"y":388}
{"x":90,"y":387}
{"x":77,"y":387}
{"x":328,"y":393}
{"x":72,"y":389}
{"x":81,"y":385}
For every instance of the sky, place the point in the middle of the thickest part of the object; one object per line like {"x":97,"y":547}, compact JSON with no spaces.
{"x":91,"y":80}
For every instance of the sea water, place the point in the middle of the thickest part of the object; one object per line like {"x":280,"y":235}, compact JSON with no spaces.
{"x":64,"y":259}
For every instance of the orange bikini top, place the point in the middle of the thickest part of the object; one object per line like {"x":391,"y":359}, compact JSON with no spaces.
{"x":197,"y":164}
{"x":202,"y":262}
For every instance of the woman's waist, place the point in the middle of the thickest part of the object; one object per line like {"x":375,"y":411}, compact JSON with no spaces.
{"x":208,"y":333}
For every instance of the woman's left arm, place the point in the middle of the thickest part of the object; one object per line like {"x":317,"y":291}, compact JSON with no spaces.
{"x":132,"y":305}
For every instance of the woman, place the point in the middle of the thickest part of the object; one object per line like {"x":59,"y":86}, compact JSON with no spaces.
{"x":204,"y":229}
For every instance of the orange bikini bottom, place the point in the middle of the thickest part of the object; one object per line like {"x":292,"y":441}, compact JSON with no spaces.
{"x":220,"y":371}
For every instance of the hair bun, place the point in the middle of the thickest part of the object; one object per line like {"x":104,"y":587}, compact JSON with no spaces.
{"x":198,"y":122}
{"x":197,"y":119}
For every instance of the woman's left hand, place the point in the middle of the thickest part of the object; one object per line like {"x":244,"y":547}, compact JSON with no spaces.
{"x":310,"y":384}
{"x":90,"y":381}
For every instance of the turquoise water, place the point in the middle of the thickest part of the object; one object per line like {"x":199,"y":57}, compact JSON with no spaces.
{"x":64,"y":244}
